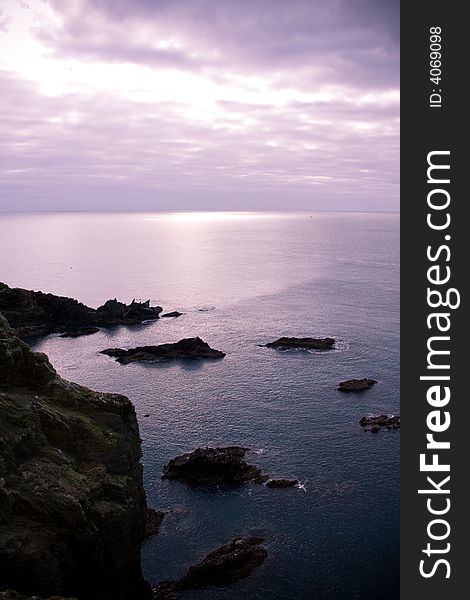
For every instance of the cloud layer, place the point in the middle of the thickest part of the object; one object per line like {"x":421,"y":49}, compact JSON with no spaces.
{"x":199,"y":104}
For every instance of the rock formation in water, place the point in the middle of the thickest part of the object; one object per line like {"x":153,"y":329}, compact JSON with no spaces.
{"x":229,"y":563}
{"x":175,"y":313}
{"x":36,"y":313}
{"x":14,"y":595}
{"x":153,"y":522}
{"x":356,"y":385}
{"x":307,"y":343}
{"x":72,"y":503}
{"x":375,"y":423}
{"x":213,"y":466}
{"x":282,"y":483}
{"x":187,"y":348}
{"x":74,"y":333}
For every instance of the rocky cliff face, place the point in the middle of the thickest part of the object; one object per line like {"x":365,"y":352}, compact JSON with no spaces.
{"x":72,"y":504}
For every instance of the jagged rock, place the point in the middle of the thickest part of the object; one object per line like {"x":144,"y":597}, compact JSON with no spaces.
{"x":175,"y":313}
{"x":229,"y":563}
{"x":72,"y":503}
{"x":166,"y":590}
{"x":74,"y":333}
{"x":213,"y":466}
{"x":282,"y":483}
{"x":375,"y":423}
{"x":306,"y":343}
{"x":153,"y":521}
{"x":113,"y":312}
{"x":356,"y":385}
{"x":113,"y":309}
{"x":187,"y":348}
{"x":226,"y":565}
{"x":36,"y":313}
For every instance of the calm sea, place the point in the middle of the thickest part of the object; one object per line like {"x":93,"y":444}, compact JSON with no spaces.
{"x":243,"y":280}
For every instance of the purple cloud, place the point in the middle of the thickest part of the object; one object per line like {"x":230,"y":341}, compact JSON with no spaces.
{"x":201,"y":104}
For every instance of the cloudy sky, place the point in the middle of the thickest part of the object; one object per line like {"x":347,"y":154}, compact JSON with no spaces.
{"x":199,"y":104}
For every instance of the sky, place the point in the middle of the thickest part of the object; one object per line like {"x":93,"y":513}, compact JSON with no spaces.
{"x":199,"y":105}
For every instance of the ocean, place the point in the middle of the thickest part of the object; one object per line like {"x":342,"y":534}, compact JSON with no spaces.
{"x":241,"y":280}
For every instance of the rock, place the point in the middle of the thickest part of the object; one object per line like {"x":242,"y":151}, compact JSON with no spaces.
{"x":212,"y":466}
{"x":117,"y":313}
{"x":175,"y":313}
{"x":229,"y":563}
{"x":356,"y":385}
{"x":226,"y":565}
{"x":186,"y":348}
{"x":33,"y":313}
{"x":153,"y":521}
{"x":112,"y":310}
{"x":13,"y":595}
{"x":73,"y":333}
{"x":306,"y":343}
{"x":374,"y":423}
{"x":282,"y":483}
{"x":166,"y":590}
{"x":72,"y":503}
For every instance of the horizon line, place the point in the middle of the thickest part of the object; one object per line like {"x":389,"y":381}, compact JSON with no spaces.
{"x":146,"y":211}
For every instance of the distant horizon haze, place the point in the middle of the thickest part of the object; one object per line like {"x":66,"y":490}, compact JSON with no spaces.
{"x":267,"y":211}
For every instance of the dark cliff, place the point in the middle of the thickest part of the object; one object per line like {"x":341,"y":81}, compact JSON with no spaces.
{"x":72,"y":504}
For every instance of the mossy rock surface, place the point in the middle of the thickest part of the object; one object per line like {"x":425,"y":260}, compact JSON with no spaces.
{"x":72,"y":503}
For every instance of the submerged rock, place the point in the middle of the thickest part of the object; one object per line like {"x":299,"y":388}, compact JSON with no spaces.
{"x":282,"y":483}
{"x":186,"y":348}
{"x":72,"y":503}
{"x":261,"y":478}
{"x":306,"y":343}
{"x":229,"y":563}
{"x":213,"y":466}
{"x":36,"y":313}
{"x":356,"y":385}
{"x":175,"y":313}
{"x":74,"y":333}
{"x":375,"y":423}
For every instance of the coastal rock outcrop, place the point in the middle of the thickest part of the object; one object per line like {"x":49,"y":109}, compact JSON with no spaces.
{"x":175,"y":313}
{"x":375,"y":423}
{"x":356,"y":385}
{"x":72,"y":503}
{"x":186,"y":348}
{"x":213,"y":466}
{"x":229,"y":563}
{"x":36,"y":313}
{"x":306,"y":343}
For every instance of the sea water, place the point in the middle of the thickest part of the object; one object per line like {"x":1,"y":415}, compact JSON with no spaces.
{"x":242,"y":280}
